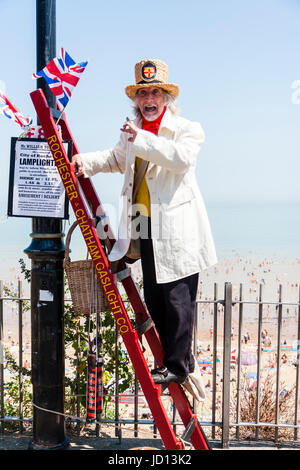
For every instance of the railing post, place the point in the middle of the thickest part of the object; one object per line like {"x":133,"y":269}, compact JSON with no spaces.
{"x":238,"y":383}
{"x":117,"y":428}
{"x":215,"y":344}
{"x":259,"y":360}
{"x":20,"y":302}
{"x":195,"y":338}
{"x":297,"y":374}
{"x":136,"y":405}
{"x":279,"y":329}
{"x":226,"y":364}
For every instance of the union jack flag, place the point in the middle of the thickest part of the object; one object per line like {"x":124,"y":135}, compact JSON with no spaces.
{"x":62,"y":75}
{"x":11,"y":112}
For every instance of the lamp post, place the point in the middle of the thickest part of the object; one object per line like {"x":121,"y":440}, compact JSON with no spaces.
{"x":46,"y":252}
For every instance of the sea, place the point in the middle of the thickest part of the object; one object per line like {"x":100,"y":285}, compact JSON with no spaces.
{"x":244,"y":228}
{"x":258,"y":228}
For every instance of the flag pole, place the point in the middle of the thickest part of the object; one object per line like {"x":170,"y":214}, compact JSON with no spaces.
{"x":60,"y":116}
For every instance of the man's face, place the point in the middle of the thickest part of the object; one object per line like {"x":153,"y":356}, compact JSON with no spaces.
{"x":151,"y":101}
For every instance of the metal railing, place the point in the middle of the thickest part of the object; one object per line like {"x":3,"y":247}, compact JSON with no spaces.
{"x":278,"y":323}
{"x":225,"y":422}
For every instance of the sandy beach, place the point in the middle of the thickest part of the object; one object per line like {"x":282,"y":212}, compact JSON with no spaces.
{"x":251,"y":272}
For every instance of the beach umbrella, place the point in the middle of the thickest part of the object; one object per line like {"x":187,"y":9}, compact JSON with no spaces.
{"x":204,"y":362}
{"x":252,"y":375}
{"x":234,"y":353}
{"x":253,"y":384}
{"x":248,"y":359}
{"x":253,"y":379}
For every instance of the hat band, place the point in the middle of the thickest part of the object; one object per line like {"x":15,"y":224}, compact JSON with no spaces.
{"x":142,"y":82}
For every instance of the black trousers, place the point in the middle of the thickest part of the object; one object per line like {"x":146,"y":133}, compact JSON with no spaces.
{"x":171,"y":306}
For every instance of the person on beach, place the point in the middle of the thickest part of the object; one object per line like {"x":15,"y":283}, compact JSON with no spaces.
{"x":162,"y":208}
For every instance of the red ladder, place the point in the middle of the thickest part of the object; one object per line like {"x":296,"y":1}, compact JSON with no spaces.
{"x":74,"y":188}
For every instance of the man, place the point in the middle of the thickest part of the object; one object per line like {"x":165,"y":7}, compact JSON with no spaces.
{"x":175,"y":237}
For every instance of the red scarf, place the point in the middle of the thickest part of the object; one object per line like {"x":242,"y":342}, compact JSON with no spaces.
{"x":153,"y":126}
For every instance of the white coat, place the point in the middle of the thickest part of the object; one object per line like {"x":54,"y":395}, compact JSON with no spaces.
{"x":181,"y":233}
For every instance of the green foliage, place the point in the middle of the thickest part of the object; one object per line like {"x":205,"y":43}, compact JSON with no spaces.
{"x":12,"y":391}
{"x":25,"y":270}
{"x":77,"y":347}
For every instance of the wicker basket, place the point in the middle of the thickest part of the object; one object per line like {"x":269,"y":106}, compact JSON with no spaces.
{"x":85,"y":288}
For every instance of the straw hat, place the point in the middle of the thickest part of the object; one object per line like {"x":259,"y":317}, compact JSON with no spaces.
{"x":151,"y":72}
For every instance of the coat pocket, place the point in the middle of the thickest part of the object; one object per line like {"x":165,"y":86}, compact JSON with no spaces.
{"x":180,"y":198}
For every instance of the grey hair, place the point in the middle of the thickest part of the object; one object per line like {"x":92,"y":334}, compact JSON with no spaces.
{"x":170,"y":102}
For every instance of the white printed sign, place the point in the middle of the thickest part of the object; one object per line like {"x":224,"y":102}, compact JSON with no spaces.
{"x":36,"y":189}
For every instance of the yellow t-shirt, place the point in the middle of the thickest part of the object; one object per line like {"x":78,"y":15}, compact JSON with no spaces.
{"x":143,"y":195}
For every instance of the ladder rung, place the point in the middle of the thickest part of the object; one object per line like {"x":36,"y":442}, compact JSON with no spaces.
{"x":187,"y":433}
{"x":123,"y":274}
{"x":144,"y":327}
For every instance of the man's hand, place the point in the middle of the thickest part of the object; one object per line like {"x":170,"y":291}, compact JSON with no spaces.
{"x":130,"y":128}
{"x":78,"y":165}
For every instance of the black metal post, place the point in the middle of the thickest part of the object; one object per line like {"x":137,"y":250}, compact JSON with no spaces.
{"x":226,"y":364}
{"x":46,"y":252}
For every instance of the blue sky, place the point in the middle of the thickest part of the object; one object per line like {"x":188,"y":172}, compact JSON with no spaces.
{"x":235,"y":62}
